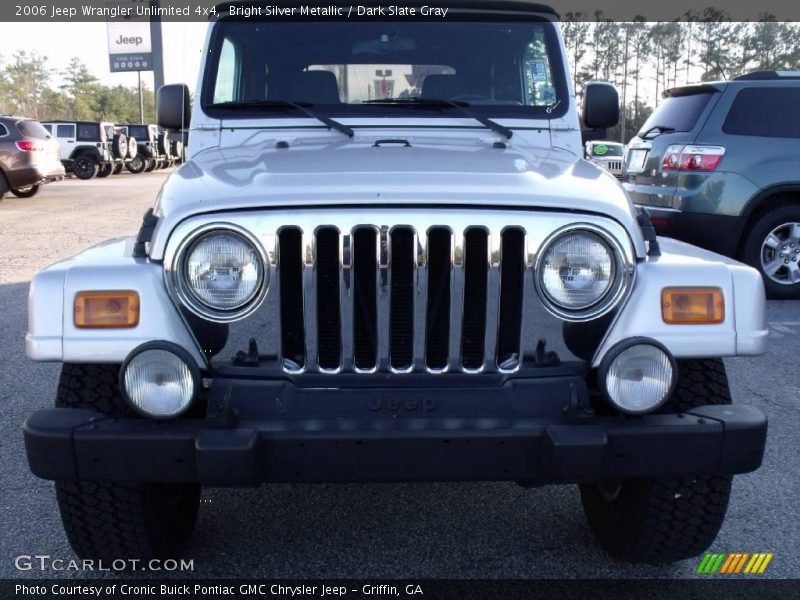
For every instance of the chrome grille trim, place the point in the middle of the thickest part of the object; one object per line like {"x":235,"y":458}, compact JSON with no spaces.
{"x":536,"y":227}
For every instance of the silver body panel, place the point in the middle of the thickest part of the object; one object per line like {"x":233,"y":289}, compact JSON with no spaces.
{"x":53,"y":337}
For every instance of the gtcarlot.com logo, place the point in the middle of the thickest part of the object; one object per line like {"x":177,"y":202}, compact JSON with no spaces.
{"x":734,"y":563}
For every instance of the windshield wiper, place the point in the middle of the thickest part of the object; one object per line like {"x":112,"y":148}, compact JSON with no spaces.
{"x":658,"y":128}
{"x":462,"y":106}
{"x":268,"y":104}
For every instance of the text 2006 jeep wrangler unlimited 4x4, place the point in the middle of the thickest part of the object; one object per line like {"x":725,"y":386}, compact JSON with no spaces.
{"x":386,"y":260}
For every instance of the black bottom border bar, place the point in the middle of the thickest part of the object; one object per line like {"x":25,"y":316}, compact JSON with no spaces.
{"x":115,"y":588}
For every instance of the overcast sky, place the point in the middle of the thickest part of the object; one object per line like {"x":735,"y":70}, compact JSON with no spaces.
{"x":183,"y":43}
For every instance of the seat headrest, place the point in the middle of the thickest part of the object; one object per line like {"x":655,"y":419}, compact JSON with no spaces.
{"x":317,"y":87}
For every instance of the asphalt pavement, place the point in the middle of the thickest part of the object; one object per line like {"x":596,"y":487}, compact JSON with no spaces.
{"x":447,"y":530}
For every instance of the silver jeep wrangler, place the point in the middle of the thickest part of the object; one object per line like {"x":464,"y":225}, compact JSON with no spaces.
{"x":386,"y":260}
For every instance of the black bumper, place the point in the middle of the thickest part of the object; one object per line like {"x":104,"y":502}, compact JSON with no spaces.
{"x":73,"y":444}
{"x":718,"y":233}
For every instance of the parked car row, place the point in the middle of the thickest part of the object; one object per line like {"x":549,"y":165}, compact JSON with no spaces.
{"x":28,"y":157}
{"x":89,"y":149}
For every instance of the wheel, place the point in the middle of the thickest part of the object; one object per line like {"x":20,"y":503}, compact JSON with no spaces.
{"x":4,"y":187}
{"x":664,"y":519}
{"x":137,"y":164}
{"x":105,"y":169}
{"x":85,"y":166}
{"x":119,"y":145}
{"x":117,"y":169}
{"x":110,"y":520}
{"x":133,"y":147}
{"x":152,"y":163}
{"x":29,"y":191}
{"x":773,"y":247}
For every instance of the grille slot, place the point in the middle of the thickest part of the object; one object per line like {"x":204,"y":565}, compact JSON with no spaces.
{"x":438,"y":309}
{"x":512,"y":273}
{"x":328,"y":310}
{"x":290,"y":255}
{"x":365,"y":308}
{"x":401,"y":339}
{"x":475,"y":280}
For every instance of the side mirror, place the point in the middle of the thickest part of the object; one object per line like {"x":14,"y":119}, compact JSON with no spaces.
{"x":173,"y":106}
{"x":600,"y":105}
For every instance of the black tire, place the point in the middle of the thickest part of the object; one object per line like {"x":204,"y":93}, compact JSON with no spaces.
{"x":28,"y":191}
{"x":105,"y":169}
{"x":85,"y":166}
{"x":666,"y":519}
{"x":119,"y":145}
{"x":777,"y":284}
{"x":111,"y":520}
{"x":133,"y":147}
{"x":152,"y":163}
{"x":4,"y":187}
{"x":118,"y":169}
{"x":136,"y":165}
{"x":163,"y":144}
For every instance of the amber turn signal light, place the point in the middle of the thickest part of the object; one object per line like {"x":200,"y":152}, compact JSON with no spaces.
{"x":692,"y":305}
{"x":106,"y":309}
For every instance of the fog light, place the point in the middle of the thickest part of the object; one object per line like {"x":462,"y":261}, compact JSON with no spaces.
{"x":160,"y":380}
{"x":638,"y":375}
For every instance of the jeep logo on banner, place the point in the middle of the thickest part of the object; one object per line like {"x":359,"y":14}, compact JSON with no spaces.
{"x":129,"y":46}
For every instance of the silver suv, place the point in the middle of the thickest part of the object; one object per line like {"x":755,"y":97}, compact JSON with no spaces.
{"x":385,"y":259}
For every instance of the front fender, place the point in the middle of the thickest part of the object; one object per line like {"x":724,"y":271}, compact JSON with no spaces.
{"x":52,"y":335}
{"x":743,"y":332}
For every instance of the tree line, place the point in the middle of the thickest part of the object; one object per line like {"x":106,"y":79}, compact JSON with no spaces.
{"x":27,"y":88}
{"x":645,"y":58}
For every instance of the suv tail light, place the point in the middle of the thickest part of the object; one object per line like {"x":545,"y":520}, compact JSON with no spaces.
{"x":692,"y":158}
{"x":30,"y":146}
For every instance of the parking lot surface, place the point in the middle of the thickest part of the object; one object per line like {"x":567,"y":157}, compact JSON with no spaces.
{"x":452,"y":530}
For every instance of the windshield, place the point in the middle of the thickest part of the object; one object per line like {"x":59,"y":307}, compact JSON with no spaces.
{"x":341,"y":68}
{"x":677,"y":113}
{"x":606,"y":150}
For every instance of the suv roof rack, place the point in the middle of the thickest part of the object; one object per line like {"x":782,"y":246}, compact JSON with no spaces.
{"x":765,"y":75}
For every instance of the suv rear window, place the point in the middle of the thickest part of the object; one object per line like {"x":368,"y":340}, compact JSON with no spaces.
{"x":678,"y":113}
{"x":33,"y":129}
{"x":765,"y":112}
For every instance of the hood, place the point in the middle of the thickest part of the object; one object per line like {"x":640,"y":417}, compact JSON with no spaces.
{"x":363,"y":173}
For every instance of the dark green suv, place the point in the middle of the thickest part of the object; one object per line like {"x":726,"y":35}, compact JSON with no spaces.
{"x":718,"y":165}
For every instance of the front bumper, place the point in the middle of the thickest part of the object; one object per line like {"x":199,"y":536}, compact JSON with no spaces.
{"x":528,"y":431}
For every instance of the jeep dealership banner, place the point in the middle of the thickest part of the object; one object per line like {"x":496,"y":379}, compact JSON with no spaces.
{"x":129,"y":46}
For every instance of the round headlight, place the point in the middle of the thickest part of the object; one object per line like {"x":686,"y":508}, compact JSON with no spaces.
{"x":159,"y":383}
{"x":638,"y":376}
{"x":577,"y":270}
{"x":223,"y":270}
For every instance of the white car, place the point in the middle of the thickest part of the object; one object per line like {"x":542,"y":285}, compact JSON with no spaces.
{"x":385,"y":259}
{"x":608,"y":155}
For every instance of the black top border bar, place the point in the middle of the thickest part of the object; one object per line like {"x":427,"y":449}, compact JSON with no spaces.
{"x":577,"y":10}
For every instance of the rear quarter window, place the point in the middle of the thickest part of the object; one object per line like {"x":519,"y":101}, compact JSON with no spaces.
{"x":679,"y":113}
{"x":765,"y":112}
{"x":88,"y":133}
{"x":3,"y":130}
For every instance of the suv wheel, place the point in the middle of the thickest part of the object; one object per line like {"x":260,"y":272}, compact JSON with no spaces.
{"x":117,"y":169}
{"x":105,"y":169}
{"x":152,"y":163}
{"x":136,"y":164}
{"x":111,"y":520}
{"x":773,"y":247}
{"x":665,"y":519}
{"x":29,"y":191}
{"x":85,"y":167}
